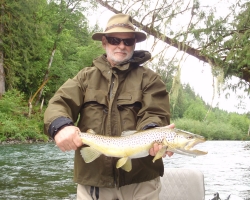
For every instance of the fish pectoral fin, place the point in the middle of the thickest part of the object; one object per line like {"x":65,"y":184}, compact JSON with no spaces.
{"x":124,"y":163}
{"x":165,"y":142}
{"x":169,"y":145}
{"x":89,"y":154}
{"x":160,"y":153}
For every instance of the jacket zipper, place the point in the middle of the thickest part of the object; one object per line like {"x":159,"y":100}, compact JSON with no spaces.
{"x":116,"y":172}
{"x":111,"y":87}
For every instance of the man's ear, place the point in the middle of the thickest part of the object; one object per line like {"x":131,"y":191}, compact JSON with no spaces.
{"x":104,"y":41}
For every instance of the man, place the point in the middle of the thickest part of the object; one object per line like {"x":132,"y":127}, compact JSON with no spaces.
{"x":113,"y":95}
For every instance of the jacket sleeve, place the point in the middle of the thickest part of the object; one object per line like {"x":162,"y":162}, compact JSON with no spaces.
{"x":64,"y":106}
{"x":155,"y":102}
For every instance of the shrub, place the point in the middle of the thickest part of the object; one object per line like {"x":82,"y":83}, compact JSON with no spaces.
{"x":213,"y":131}
{"x":15,"y":124}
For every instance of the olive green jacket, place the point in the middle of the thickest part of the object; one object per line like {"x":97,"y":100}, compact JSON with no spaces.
{"x":109,"y":101}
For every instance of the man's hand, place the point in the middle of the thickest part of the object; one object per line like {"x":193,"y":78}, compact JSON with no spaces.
{"x":68,"y":139}
{"x":156,"y":147}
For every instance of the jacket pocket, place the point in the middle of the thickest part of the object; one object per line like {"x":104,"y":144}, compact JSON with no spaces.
{"x":129,"y":104}
{"x":98,"y":96}
{"x":94,"y":111}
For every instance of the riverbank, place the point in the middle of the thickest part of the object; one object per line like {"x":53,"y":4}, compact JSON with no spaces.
{"x":29,"y":141}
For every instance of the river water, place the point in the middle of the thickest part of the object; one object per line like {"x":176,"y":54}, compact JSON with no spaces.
{"x":42,"y":171}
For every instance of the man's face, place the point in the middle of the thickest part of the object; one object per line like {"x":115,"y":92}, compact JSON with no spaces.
{"x":119,"y":53}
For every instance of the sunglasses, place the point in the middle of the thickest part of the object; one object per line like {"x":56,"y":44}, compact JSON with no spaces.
{"x":117,"y":41}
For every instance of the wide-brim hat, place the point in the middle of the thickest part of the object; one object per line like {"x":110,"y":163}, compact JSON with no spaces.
{"x":120,"y":23}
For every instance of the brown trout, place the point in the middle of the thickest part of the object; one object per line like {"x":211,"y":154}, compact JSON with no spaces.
{"x":136,"y":144}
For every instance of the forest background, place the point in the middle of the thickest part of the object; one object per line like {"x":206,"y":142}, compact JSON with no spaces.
{"x":44,"y":43}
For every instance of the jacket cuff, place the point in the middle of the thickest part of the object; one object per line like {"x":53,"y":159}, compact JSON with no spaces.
{"x":151,"y":125}
{"x":58,"y":124}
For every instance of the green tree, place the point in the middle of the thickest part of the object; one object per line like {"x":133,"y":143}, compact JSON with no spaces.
{"x":240,"y":122}
{"x":36,"y":30}
{"x":2,"y":75}
{"x":196,"y":110}
{"x":20,"y":42}
{"x":200,"y":31}
{"x":69,"y":36}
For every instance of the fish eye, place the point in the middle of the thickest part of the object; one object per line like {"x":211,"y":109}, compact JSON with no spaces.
{"x":190,"y":137}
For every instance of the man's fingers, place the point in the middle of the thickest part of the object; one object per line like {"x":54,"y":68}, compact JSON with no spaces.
{"x":151,"y":151}
{"x":169,"y":153}
{"x":159,"y":147}
{"x":77,"y":140}
{"x":63,"y":145}
{"x":59,"y":139}
{"x":171,"y":125}
{"x":156,"y":148}
{"x":68,"y":139}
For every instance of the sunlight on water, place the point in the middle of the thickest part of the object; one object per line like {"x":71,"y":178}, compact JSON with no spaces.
{"x":42,"y":171}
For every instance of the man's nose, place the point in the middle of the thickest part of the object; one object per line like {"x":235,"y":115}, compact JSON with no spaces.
{"x":122,"y":45}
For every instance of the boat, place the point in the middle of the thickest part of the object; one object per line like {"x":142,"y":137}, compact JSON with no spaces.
{"x":186,"y":184}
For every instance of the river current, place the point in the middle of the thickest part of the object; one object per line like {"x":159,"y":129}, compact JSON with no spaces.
{"x":42,"y":171}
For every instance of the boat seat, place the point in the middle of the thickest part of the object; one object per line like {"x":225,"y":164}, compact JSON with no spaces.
{"x":182,"y":184}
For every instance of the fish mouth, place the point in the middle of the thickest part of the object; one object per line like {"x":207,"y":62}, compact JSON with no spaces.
{"x":189,"y":147}
{"x":191,"y":143}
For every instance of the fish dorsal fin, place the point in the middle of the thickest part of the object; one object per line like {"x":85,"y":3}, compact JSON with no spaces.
{"x":124,"y":163}
{"x":89,"y":154}
{"x":127,"y":133}
{"x":91,"y":131}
